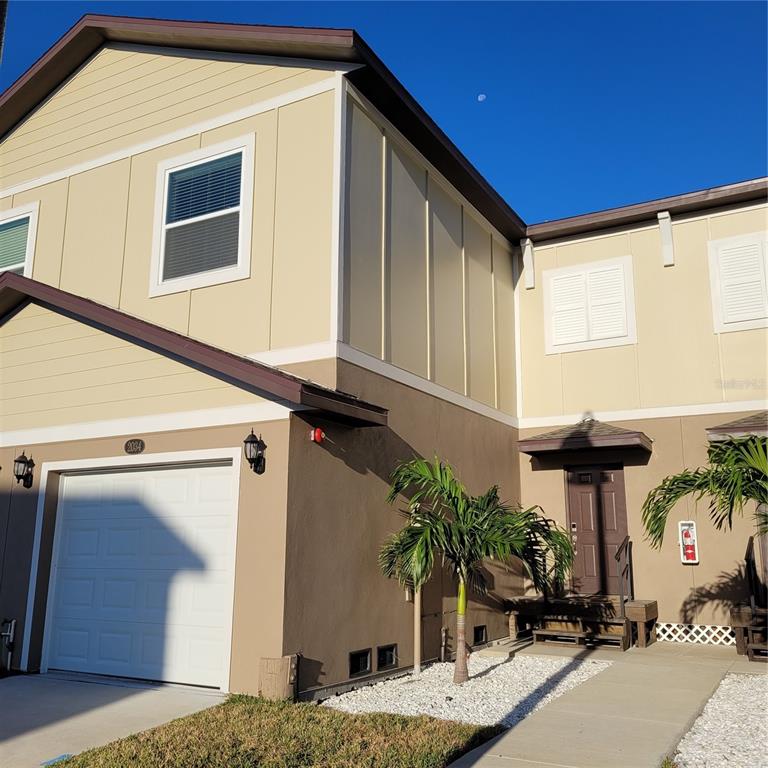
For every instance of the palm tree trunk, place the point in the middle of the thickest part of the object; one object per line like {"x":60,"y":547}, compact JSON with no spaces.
{"x":460,"y":671}
{"x":417,"y":632}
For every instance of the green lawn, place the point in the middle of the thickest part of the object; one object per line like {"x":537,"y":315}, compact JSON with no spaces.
{"x":246,"y":732}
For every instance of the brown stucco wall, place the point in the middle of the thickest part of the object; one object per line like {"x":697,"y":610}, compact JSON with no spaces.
{"x":697,"y":594}
{"x":337,"y":600}
{"x":260,"y":558}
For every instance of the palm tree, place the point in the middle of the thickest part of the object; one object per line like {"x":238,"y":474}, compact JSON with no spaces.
{"x":443,"y":519}
{"x":737,"y":474}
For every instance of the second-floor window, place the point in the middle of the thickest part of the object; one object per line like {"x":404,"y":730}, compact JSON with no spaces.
{"x":589,"y":306}
{"x":17,"y":239}
{"x":203,"y":236}
{"x":738,"y":271}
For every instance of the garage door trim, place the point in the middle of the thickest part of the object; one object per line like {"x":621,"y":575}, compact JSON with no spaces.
{"x":157,"y":461}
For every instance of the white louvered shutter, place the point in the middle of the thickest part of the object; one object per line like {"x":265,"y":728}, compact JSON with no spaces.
{"x":742,"y":276}
{"x":607,"y":305}
{"x":569,"y":309}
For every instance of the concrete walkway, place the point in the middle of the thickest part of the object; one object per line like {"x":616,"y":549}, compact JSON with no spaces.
{"x":632,"y":715}
{"x":46,"y":716}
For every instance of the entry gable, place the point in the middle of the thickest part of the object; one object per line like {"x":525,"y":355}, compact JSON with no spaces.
{"x":66,"y":360}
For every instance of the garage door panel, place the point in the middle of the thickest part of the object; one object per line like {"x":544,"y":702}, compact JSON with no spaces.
{"x":143,"y":579}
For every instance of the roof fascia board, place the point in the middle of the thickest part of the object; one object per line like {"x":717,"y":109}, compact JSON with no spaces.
{"x":715,"y":197}
{"x":550,"y":445}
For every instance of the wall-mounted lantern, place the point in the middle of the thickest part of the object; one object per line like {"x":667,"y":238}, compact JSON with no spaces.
{"x":255,"y":448}
{"x":23,"y":469}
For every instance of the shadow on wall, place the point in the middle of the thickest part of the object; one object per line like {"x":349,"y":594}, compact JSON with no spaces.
{"x":728,"y":590}
{"x":129,"y":599}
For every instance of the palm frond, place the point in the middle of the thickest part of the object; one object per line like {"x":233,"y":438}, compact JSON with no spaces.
{"x":737,"y":474}
{"x":467,"y":530}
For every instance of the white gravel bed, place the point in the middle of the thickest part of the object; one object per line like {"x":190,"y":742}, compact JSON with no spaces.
{"x":733,"y":728}
{"x":502,"y":692}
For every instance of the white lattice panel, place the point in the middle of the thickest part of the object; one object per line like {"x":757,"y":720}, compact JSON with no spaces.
{"x":695,"y":633}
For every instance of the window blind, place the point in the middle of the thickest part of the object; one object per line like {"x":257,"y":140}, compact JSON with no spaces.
{"x":201,"y":246}
{"x":201,"y":229}
{"x":13,"y":244}
{"x":205,"y":188}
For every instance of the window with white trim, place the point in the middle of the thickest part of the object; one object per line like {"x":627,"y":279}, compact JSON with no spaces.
{"x":589,"y":306}
{"x":17,"y":239}
{"x":738,"y":273}
{"x":202,"y":231}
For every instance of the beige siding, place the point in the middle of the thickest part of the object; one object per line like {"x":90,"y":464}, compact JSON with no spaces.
{"x":124,"y":97}
{"x":446,"y":289}
{"x":406,"y":278}
{"x":678,"y":359}
{"x":56,"y":371}
{"x":301,"y":272}
{"x":94,"y":216}
{"x":442,"y":302}
{"x":479,"y":315}
{"x":95,"y":227}
{"x":504,"y":305}
{"x":363,"y":245}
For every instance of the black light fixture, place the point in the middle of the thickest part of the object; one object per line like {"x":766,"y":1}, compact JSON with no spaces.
{"x":255,"y":448}
{"x":23,"y":468}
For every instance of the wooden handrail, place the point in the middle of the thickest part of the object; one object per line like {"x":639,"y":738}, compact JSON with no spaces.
{"x":624,"y":571}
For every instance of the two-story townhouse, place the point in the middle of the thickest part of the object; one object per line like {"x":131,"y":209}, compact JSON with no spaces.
{"x":213,"y":229}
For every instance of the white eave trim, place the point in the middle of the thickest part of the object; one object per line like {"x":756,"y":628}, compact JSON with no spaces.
{"x":160,"y":422}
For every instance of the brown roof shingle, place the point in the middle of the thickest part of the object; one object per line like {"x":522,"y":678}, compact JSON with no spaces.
{"x":754,"y":424}
{"x":588,"y":433}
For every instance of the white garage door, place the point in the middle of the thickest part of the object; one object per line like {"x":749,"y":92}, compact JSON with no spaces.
{"x":143,"y":574}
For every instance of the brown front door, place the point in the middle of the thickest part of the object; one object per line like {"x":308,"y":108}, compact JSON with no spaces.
{"x":597,"y":520}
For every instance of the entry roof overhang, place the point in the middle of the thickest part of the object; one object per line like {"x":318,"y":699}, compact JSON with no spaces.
{"x":15,"y":291}
{"x":585,"y":435}
{"x":754,"y":424}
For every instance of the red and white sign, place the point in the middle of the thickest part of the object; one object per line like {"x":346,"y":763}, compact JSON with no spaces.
{"x":689,"y":547}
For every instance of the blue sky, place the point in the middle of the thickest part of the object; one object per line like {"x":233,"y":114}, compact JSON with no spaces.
{"x":564,"y":107}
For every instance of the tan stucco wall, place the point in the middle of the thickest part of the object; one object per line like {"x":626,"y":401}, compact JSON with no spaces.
{"x":337,"y":601}
{"x":259,"y":584}
{"x":56,"y":370}
{"x":95,"y":227}
{"x":678,"y":358}
{"x":428,"y":284}
{"x":698,"y":594}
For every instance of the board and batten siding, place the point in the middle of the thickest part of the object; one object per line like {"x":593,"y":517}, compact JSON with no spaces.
{"x":56,"y":370}
{"x":678,"y":358}
{"x":428,"y":286}
{"x":125,"y":95}
{"x":95,"y":227}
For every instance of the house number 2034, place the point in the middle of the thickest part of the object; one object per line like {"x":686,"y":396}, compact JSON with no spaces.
{"x":136,"y":445}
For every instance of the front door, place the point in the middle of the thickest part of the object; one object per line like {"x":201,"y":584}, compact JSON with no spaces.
{"x":597,"y":520}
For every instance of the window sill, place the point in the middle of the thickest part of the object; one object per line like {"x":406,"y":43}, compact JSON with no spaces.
{"x":201,"y":280}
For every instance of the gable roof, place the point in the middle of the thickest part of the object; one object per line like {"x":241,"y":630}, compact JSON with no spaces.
{"x":15,"y":291}
{"x":588,"y":433}
{"x":754,"y":424}
{"x":372,"y":78}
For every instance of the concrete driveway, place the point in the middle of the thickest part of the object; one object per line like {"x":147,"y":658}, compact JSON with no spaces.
{"x":46,"y":716}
